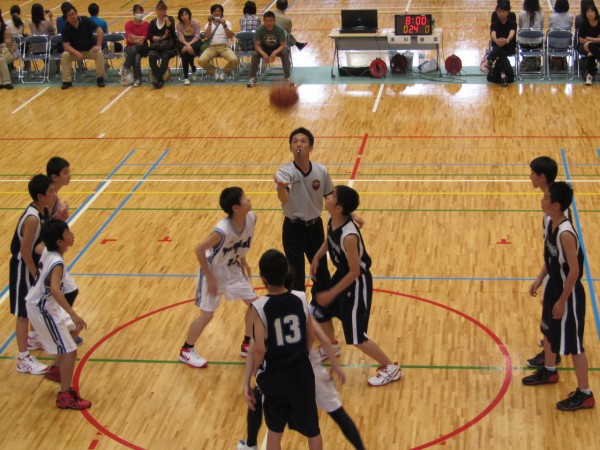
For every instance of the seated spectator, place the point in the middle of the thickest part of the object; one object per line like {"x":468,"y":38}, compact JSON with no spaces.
{"x":94,"y":10}
{"x":286,"y":23}
{"x":269,"y":42}
{"x":583,"y":7}
{"x":8,"y":47}
{"x":161,"y":33}
{"x":561,"y":18}
{"x":15,"y":24}
{"x":589,"y":42}
{"x":218,"y":32}
{"x":136,"y":32}
{"x":531,"y":17}
{"x":502,"y":33}
{"x":189,"y":42}
{"x":40,"y":24}
{"x":80,"y":43}
{"x":250,"y":22}
{"x":511,"y":16}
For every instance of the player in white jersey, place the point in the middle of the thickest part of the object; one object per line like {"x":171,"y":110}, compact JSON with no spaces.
{"x":223,"y":270}
{"x":46,"y":305}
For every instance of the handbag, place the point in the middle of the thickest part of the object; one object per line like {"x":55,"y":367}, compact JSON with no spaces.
{"x":165,"y":44}
{"x":206,"y":43}
{"x":484,"y":65}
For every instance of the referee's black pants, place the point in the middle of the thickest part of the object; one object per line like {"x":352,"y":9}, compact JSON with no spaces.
{"x":300,"y":240}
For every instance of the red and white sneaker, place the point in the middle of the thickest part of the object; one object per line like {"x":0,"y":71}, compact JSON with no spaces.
{"x":323,"y":353}
{"x":71,"y":400}
{"x":244,"y":349}
{"x":385,"y":375}
{"x":34,"y":343}
{"x":53,"y":374}
{"x":29,"y":364}
{"x":191,"y":358}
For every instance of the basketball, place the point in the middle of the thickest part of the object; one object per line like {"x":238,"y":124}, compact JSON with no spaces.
{"x":283,"y":95}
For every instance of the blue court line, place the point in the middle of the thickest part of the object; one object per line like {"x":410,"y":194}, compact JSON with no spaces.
{"x":116,"y":211}
{"x":77,"y":211}
{"x":582,"y":243}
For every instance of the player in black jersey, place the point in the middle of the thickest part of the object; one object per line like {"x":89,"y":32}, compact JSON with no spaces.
{"x":351,"y":289}
{"x":563,"y":315}
{"x":283,"y":335}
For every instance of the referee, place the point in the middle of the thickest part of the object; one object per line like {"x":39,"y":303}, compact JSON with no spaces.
{"x":301,"y":187}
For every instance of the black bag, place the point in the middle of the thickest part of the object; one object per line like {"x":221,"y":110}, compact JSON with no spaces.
{"x":497,"y":66}
{"x":160,"y":46}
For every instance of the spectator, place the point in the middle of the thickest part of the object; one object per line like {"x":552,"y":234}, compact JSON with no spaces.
{"x":511,"y":15}
{"x":502,"y":34}
{"x":40,"y":24}
{"x":188,"y":33}
{"x":80,"y":43}
{"x":8,"y":47}
{"x":589,"y":42}
{"x":269,"y":42}
{"x":15,"y":24}
{"x":531,"y":17}
{"x":136,"y":32}
{"x":161,"y":34}
{"x":250,"y":22}
{"x":286,"y":23}
{"x":218,"y":32}
{"x":561,"y":18}
{"x":94,"y":10}
{"x":583,"y":6}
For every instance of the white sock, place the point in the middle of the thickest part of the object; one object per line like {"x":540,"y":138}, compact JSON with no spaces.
{"x":23,"y":355}
{"x":586,"y":391}
{"x":551,"y":368}
{"x":33,"y":334}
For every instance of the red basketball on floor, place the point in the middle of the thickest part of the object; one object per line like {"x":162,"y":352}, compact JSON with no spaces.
{"x":283,"y":95}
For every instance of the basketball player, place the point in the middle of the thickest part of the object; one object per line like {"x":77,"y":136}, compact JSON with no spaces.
{"x":543,"y":172}
{"x":283,"y":334}
{"x":46,"y":305}
{"x":351,"y":289}
{"x":326,"y":395}
{"x":223,"y":270}
{"x":23,"y":266}
{"x":563,"y":313}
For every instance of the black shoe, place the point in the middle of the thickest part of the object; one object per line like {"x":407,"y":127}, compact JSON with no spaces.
{"x":1,"y":86}
{"x":157,"y":84}
{"x":538,"y":361}
{"x":541,"y":376}
{"x":301,"y":45}
{"x":8,"y":86}
{"x":576,"y":400}
{"x":66,"y":85}
{"x":100,"y":82}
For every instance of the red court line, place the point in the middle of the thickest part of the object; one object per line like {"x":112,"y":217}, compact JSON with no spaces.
{"x":440,"y":440}
{"x":359,"y":156}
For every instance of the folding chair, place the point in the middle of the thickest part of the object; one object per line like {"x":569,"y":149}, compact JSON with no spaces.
{"x":34,"y":50}
{"x":113,"y":46}
{"x":241,"y":38}
{"x":523,"y":51}
{"x":559,"y":44}
{"x":55,"y":51}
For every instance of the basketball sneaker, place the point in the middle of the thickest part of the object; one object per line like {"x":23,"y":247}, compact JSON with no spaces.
{"x":191,"y":358}
{"x":251,"y":82}
{"x":34,"y":343}
{"x":589,"y":79}
{"x":577,"y":400}
{"x":242,"y":446}
{"x":53,"y":374}
{"x":537,"y":362}
{"x":288,"y":80}
{"x":541,"y":376}
{"x":29,"y":364}
{"x":323,"y":353}
{"x":244,"y":349}
{"x":71,"y":400}
{"x":386,"y":374}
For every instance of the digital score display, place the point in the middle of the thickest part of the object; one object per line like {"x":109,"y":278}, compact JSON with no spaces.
{"x":413,"y":24}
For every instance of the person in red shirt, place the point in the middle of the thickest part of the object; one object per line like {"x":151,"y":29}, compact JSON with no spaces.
{"x":136,"y":32}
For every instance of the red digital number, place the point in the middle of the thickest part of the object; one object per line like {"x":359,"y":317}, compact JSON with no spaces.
{"x":407,"y":20}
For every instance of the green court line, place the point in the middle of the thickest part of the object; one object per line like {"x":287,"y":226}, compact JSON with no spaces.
{"x":348,"y":366}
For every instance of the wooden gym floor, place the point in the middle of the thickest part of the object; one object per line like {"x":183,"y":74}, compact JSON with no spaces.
{"x":453,"y":226}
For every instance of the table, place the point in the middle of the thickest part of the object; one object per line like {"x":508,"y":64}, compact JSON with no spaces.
{"x":383,"y":40}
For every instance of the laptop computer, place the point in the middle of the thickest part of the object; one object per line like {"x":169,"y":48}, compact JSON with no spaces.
{"x":359,"y":21}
